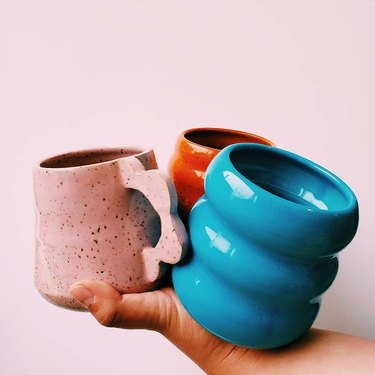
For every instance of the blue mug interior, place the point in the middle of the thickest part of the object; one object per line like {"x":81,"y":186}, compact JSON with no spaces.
{"x":291,"y":177}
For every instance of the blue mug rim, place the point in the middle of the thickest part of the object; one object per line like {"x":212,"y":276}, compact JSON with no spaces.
{"x":324,"y":173}
{"x":246,"y":202}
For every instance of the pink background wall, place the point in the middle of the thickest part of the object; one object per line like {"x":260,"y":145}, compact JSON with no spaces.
{"x":79,"y":74}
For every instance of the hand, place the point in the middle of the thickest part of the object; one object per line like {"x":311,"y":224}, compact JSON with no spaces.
{"x":159,"y":311}
{"x":319,"y":351}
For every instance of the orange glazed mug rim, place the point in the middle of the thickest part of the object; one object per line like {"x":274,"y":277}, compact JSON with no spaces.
{"x":184,"y":136}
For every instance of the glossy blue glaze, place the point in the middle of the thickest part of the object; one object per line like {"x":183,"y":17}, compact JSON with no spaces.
{"x":264,"y":240}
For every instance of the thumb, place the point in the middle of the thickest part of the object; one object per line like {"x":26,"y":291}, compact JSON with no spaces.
{"x":143,"y":310}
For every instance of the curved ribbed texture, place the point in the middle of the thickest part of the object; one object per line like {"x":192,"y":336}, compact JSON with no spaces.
{"x":264,"y":242}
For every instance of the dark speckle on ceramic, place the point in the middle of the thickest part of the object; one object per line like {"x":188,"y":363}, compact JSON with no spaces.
{"x":101,"y":215}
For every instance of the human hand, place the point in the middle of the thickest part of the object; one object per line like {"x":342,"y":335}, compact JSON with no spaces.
{"x":161,"y":311}
{"x":319,"y":351}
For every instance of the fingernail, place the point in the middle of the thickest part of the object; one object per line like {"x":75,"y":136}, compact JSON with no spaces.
{"x":82,"y":294}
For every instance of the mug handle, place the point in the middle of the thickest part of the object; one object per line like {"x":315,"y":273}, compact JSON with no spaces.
{"x":158,"y":188}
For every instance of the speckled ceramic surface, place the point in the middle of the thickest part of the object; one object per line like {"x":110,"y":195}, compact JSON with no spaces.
{"x":106,"y":214}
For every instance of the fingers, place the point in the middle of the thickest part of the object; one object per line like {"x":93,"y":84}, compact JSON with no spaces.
{"x":159,"y":310}
{"x":144,"y":310}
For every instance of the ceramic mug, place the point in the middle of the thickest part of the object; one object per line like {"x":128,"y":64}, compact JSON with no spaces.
{"x":106,"y":214}
{"x":264,"y":240}
{"x":194,"y":150}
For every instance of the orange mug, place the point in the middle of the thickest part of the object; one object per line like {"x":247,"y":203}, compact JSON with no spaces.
{"x":195,"y":148}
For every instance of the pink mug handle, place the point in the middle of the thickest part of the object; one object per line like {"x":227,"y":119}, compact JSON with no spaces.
{"x":158,"y":188}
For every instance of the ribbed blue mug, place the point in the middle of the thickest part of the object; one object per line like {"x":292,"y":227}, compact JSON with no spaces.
{"x":264,"y":244}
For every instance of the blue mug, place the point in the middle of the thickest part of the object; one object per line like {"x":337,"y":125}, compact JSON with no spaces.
{"x":264,"y":244}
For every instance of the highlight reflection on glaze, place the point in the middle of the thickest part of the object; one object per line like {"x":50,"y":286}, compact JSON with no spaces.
{"x":264,"y":240}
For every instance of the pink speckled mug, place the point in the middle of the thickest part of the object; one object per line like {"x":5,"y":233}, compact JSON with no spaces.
{"x":106,"y":214}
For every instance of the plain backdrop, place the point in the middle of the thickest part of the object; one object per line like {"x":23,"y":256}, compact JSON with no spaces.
{"x":77,"y":74}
